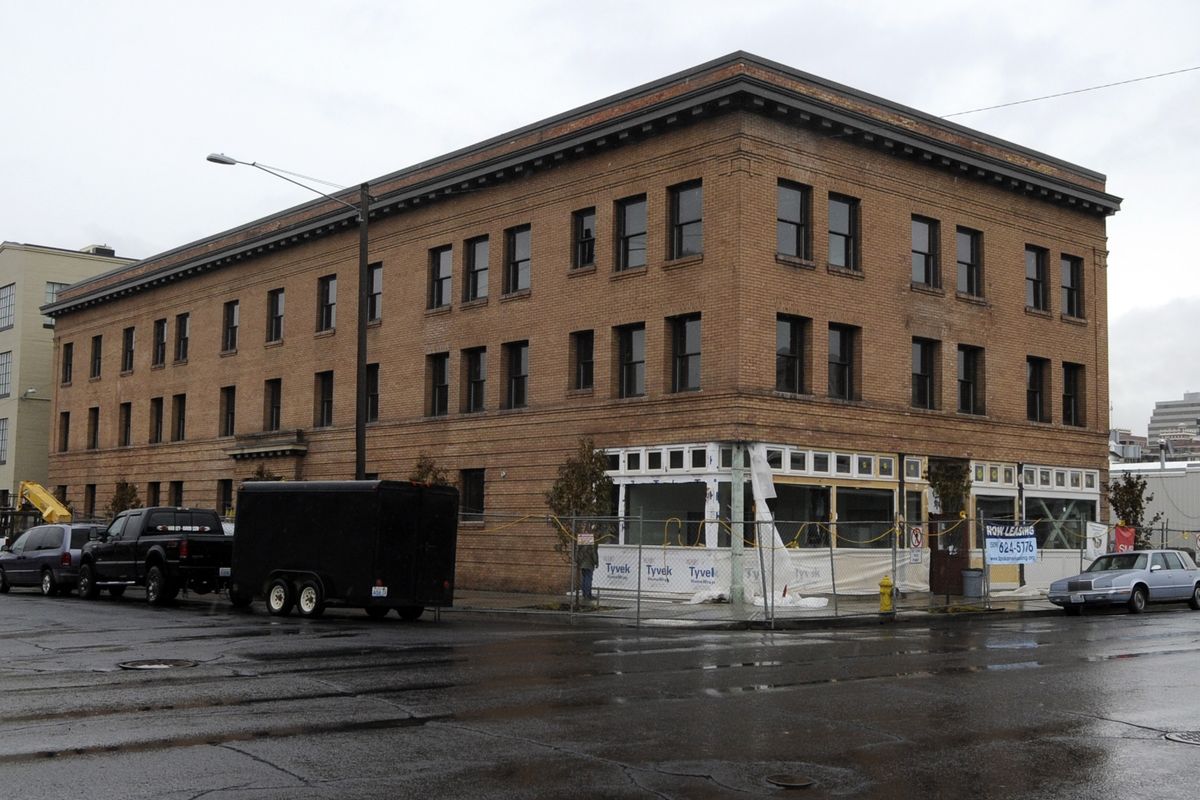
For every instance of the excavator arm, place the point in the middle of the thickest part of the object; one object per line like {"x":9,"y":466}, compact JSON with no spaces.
{"x":36,"y":495}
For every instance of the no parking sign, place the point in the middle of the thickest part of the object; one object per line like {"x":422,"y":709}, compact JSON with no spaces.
{"x":916,"y":536}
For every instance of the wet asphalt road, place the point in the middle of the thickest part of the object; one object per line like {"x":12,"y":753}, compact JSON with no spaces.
{"x":473,"y":706}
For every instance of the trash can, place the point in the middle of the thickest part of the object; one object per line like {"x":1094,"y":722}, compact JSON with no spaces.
{"x":972,"y":582}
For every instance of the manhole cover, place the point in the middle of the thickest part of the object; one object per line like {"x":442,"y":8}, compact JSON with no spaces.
{"x":1187,"y":737}
{"x":157,"y":663}
{"x":790,"y":781}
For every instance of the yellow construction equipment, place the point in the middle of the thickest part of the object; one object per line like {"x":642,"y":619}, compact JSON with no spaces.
{"x":36,"y":495}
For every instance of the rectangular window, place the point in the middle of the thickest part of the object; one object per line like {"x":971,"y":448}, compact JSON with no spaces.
{"x":6,"y":373}
{"x":175,"y":493}
{"x":583,"y":238}
{"x":631,"y":232}
{"x":471,"y":503}
{"x":225,"y":496}
{"x":687,"y":220}
{"x":1036,"y":405}
{"x":441,"y":265}
{"x":372,"y":393}
{"x":517,"y":259}
{"x":153,"y":493}
{"x":924,"y":373}
{"x":925,"y":233}
{"x":1036,"y":296}
{"x":8,"y":299}
{"x":183,"y":326}
{"x":124,"y":424}
{"x":375,"y":292}
{"x":275,"y":315}
{"x":1072,"y":286}
{"x":685,"y":353}
{"x":159,"y":354}
{"x":4,"y":441}
{"x":178,"y":417}
{"x":841,"y":362}
{"x":229,"y":326}
{"x":475,"y":284}
{"x":64,"y":430}
{"x":843,"y":231}
{"x":516,"y":357}
{"x":476,"y":375}
{"x":970,"y":268}
{"x":793,"y":220}
{"x":323,"y":399}
{"x":326,"y":303}
{"x":438,"y":365}
{"x":790,"y":335}
{"x":272,"y":404}
{"x":93,"y":428}
{"x":1073,"y":394}
{"x":97,"y":355}
{"x":970,"y":379}
{"x":631,"y":357}
{"x":52,"y":290}
{"x":227,"y":410}
{"x":582,"y":358}
{"x":127,"y":350}
{"x":68,"y":362}
{"x":156,"y":420}
{"x":89,"y":499}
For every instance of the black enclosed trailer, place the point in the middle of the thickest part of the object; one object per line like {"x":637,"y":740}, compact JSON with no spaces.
{"x":375,"y":545}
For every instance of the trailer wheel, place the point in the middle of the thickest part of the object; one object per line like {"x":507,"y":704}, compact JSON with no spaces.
{"x":410,"y":613}
{"x":87,"y":583}
{"x":310,"y":601}
{"x":377,"y":612}
{"x":279,"y":598}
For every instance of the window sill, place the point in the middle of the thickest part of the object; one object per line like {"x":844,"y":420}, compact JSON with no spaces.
{"x":179,"y":362}
{"x":972,"y":414}
{"x":845,"y":401}
{"x":375,"y":323}
{"x":472,"y":523}
{"x":438,"y":311}
{"x":94,"y":379}
{"x":158,"y":366}
{"x":478,"y":302}
{"x":1081,"y":321}
{"x":228,"y":353}
{"x":275,"y":343}
{"x":520,"y":294}
{"x":792,"y":395}
{"x":622,"y":274}
{"x":795,"y":261}
{"x":845,"y":272}
{"x":632,"y":398}
{"x":580,"y":392}
{"x":575,"y":272}
{"x":973,"y":299}
{"x":325,"y":334}
{"x":65,"y":384}
{"x":684,"y":261}
{"x":125,"y":372}
{"x":443,"y":415}
{"x":1037,"y":312}
{"x":925,"y":288}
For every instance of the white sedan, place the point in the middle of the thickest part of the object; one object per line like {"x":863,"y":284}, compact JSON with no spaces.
{"x":1134,"y":579}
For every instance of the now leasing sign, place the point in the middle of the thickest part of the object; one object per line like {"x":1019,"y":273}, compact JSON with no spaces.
{"x":1010,"y":544}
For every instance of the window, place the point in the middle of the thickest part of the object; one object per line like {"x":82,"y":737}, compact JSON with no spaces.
{"x":225,"y":496}
{"x":153,"y":493}
{"x":793,"y":221}
{"x":327,"y":303}
{"x":272,"y":404}
{"x":183,"y":324}
{"x":687,"y":220}
{"x":1072,"y":398}
{"x":924,"y":369}
{"x":68,"y":362}
{"x":178,"y":417}
{"x":685,"y":353}
{"x":7,"y":305}
{"x":967,"y":247}
{"x":372,"y":393}
{"x":582,"y":355}
{"x":476,"y":281}
{"x":156,"y":420}
{"x":159,"y":354}
{"x":631,"y":233}
{"x":631,"y":356}
{"x":790,"y":335}
{"x":93,"y":428}
{"x":175,"y":493}
{"x":4,"y":441}
{"x":375,"y":292}
{"x":438,"y":366}
{"x":323,"y":399}
{"x":1036,"y":296}
{"x":64,"y":430}
{"x":229,"y":326}
{"x":583,"y":238}
{"x":517,"y":260}
{"x":275,"y":315}
{"x":124,"y":424}
{"x":227,"y":410}
{"x":476,"y":375}
{"x":1072,"y":286}
{"x":841,"y":362}
{"x":97,"y":354}
{"x":52,"y":290}
{"x":441,"y":265}
{"x":89,"y":499}
{"x":1036,"y":406}
{"x":6,"y":373}
{"x":925,"y":252}
{"x":516,"y":368}
{"x":843,"y":231}
{"x":127,"y":350}
{"x":970,"y":379}
{"x":471,"y":503}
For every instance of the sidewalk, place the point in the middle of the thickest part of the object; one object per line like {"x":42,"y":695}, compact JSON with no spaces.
{"x":921,"y":607}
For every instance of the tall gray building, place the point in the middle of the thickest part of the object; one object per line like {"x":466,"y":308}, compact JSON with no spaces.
{"x":1171,"y":418}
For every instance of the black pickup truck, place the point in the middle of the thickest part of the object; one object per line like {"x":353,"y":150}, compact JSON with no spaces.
{"x":161,"y":548}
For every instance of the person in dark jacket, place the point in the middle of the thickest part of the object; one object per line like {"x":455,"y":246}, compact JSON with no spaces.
{"x":587,"y":560}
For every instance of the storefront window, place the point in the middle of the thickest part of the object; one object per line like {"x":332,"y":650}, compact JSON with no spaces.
{"x":1060,"y":523}
{"x":671,"y":513}
{"x":864,"y":517}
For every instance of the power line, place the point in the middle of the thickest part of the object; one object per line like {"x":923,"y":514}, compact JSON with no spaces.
{"x":1073,"y":91}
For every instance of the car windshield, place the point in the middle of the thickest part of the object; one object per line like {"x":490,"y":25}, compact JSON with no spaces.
{"x":1118,"y":561}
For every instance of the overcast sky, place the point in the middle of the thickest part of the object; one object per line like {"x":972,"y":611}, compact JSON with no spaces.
{"x":110,"y":107}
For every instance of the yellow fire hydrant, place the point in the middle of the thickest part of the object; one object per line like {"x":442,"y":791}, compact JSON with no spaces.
{"x":886,"y":605}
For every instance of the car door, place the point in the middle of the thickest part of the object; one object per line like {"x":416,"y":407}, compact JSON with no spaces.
{"x":1159,"y":578}
{"x":18,"y":567}
{"x":1181,"y":588}
{"x":112,"y":559}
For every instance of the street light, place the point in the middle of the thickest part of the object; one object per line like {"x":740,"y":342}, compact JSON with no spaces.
{"x":360,"y":360}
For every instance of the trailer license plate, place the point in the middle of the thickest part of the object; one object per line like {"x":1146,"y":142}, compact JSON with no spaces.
{"x":225,"y":572}
{"x":378,"y":591}
{"x":1076,"y":598}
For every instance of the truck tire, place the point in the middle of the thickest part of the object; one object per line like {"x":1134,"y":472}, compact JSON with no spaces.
{"x":279,"y":598}
{"x":377,"y":612}
{"x":410,"y":613}
{"x":159,"y":590}
{"x":310,"y":600}
{"x":49,"y":587}
{"x":88,"y":589}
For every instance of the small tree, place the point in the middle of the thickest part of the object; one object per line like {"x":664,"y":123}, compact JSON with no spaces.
{"x":124,"y":497}
{"x":261,"y":473}
{"x":1127,"y":497}
{"x":428,"y":472}
{"x":950,"y":480}
{"x":583,"y":489}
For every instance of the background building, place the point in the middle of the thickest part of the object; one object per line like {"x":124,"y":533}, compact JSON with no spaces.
{"x":1177,"y":421}
{"x":30,"y":277}
{"x":738,"y":254}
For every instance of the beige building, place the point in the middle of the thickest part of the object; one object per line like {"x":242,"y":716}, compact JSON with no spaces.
{"x":31,"y":276}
